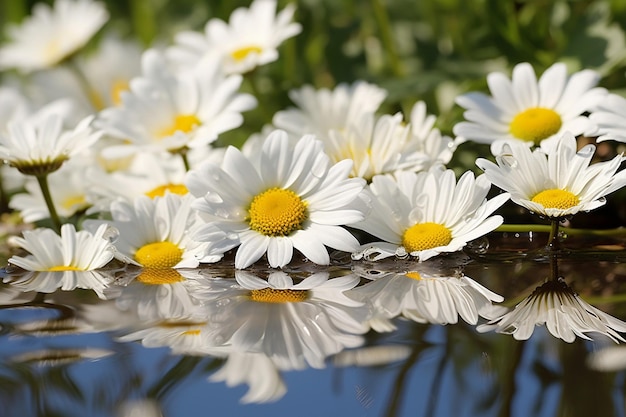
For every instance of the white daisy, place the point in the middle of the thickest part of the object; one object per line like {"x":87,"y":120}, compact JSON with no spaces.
{"x":40,"y":147}
{"x":68,"y":261}
{"x":527,"y":110}
{"x":386,"y":144}
{"x":295,"y":198}
{"x":154,"y":233}
{"x":424,"y":297}
{"x":427,"y":213}
{"x":319,"y":111}
{"x":182,"y":337}
{"x":296,"y":325}
{"x":565,"y":315}
{"x":610,"y":118}
{"x":250,"y":39}
{"x":52,"y":34}
{"x":557,"y":184}
{"x":168,"y":111}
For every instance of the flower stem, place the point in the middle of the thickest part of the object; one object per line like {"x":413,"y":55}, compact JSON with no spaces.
{"x":386,"y":35}
{"x":541,"y":228}
{"x":553,"y":240}
{"x":45,"y":190}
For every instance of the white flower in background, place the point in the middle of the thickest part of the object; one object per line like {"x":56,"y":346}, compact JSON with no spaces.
{"x":565,"y":315}
{"x":51,"y":34}
{"x":41,"y":147}
{"x":164,"y":111}
{"x":424,"y":297}
{"x":386,"y":144}
{"x":529,"y":110}
{"x":557,"y":184}
{"x":68,"y":261}
{"x":295,"y":325}
{"x":319,"y":111}
{"x":68,"y":190}
{"x":154,"y":233}
{"x":182,"y":337}
{"x":427,"y":213}
{"x":295,"y":198}
{"x":250,"y":39}
{"x":110,"y":69}
{"x":610,"y":118}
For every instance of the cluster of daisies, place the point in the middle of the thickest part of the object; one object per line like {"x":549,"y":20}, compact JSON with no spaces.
{"x":119,"y":145}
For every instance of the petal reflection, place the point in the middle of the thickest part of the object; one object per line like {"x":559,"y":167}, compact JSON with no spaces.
{"x":50,"y":281}
{"x":555,"y":305}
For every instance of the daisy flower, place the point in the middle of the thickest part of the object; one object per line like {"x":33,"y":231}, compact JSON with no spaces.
{"x":250,"y":39}
{"x":38,"y":147}
{"x":293,"y":324}
{"x":154,"y":233}
{"x":424,"y":297}
{"x":427,"y":213}
{"x":610,"y":118}
{"x":565,"y":315}
{"x":557,"y":184}
{"x":529,"y":110}
{"x":52,"y":34}
{"x":386,"y":144}
{"x":319,"y":111}
{"x":294,"y":198}
{"x":67,"y":261}
{"x":166,"y":111}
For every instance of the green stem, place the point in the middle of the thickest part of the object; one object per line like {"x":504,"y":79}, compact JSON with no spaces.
{"x":45,"y":190}
{"x":183,"y":155}
{"x":386,"y":36}
{"x":553,"y":240}
{"x":523,"y":228}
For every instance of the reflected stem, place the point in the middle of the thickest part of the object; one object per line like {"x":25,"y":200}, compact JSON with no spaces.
{"x":541,"y":228}
{"x":553,"y":239}
{"x":509,"y":386}
{"x":394,"y":404}
{"x":45,"y":190}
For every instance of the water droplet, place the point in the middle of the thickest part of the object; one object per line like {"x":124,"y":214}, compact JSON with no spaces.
{"x":111,"y":234}
{"x":587,"y":151}
{"x":507,"y":160}
{"x":478,"y":246}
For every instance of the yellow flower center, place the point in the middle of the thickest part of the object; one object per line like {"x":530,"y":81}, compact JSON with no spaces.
{"x":159,"y":191}
{"x":159,"y":255}
{"x":555,"y":198}
{"x":241,"y":53}
{"x":272,"y":295}
{"x":413,"y":275}
{"x":535,"y":124}
{"x":183,"y":122}
{"x":191,"y":333}
{"x":64,"y":268}
{"x":75,"y":202}
{"x":277,"y":212}
{"x":159,"y":276}
{"x":424,"y":236}
{"x":116,"y":91}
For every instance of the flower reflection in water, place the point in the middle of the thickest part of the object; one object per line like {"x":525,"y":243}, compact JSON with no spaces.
{"x":565,"y":315}
{"x":294,"y":324}
{"x":50,"y":281}
{"x":424,"y":295}
{"x":160,"y":294}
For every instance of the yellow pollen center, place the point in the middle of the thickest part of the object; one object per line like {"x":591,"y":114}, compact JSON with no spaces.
{"x":64,"y":268}
{"x":116,"y":91}
{"x":555,"y":198}
{"x":413,"y":275}
{"x":535,"y":124}
{"x":277,"y":212}
{"x":241,"y":53}
{"x":74,"y":202}
{"x":424,"y":236}
{"x":272,"y":295}
{"x":183,"y":122}
{"x":159,"y":276}
{"x":159,"y":255}
{"x":159,"y":191}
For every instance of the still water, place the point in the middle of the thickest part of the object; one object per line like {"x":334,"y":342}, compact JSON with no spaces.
{"x":358,"y":338}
